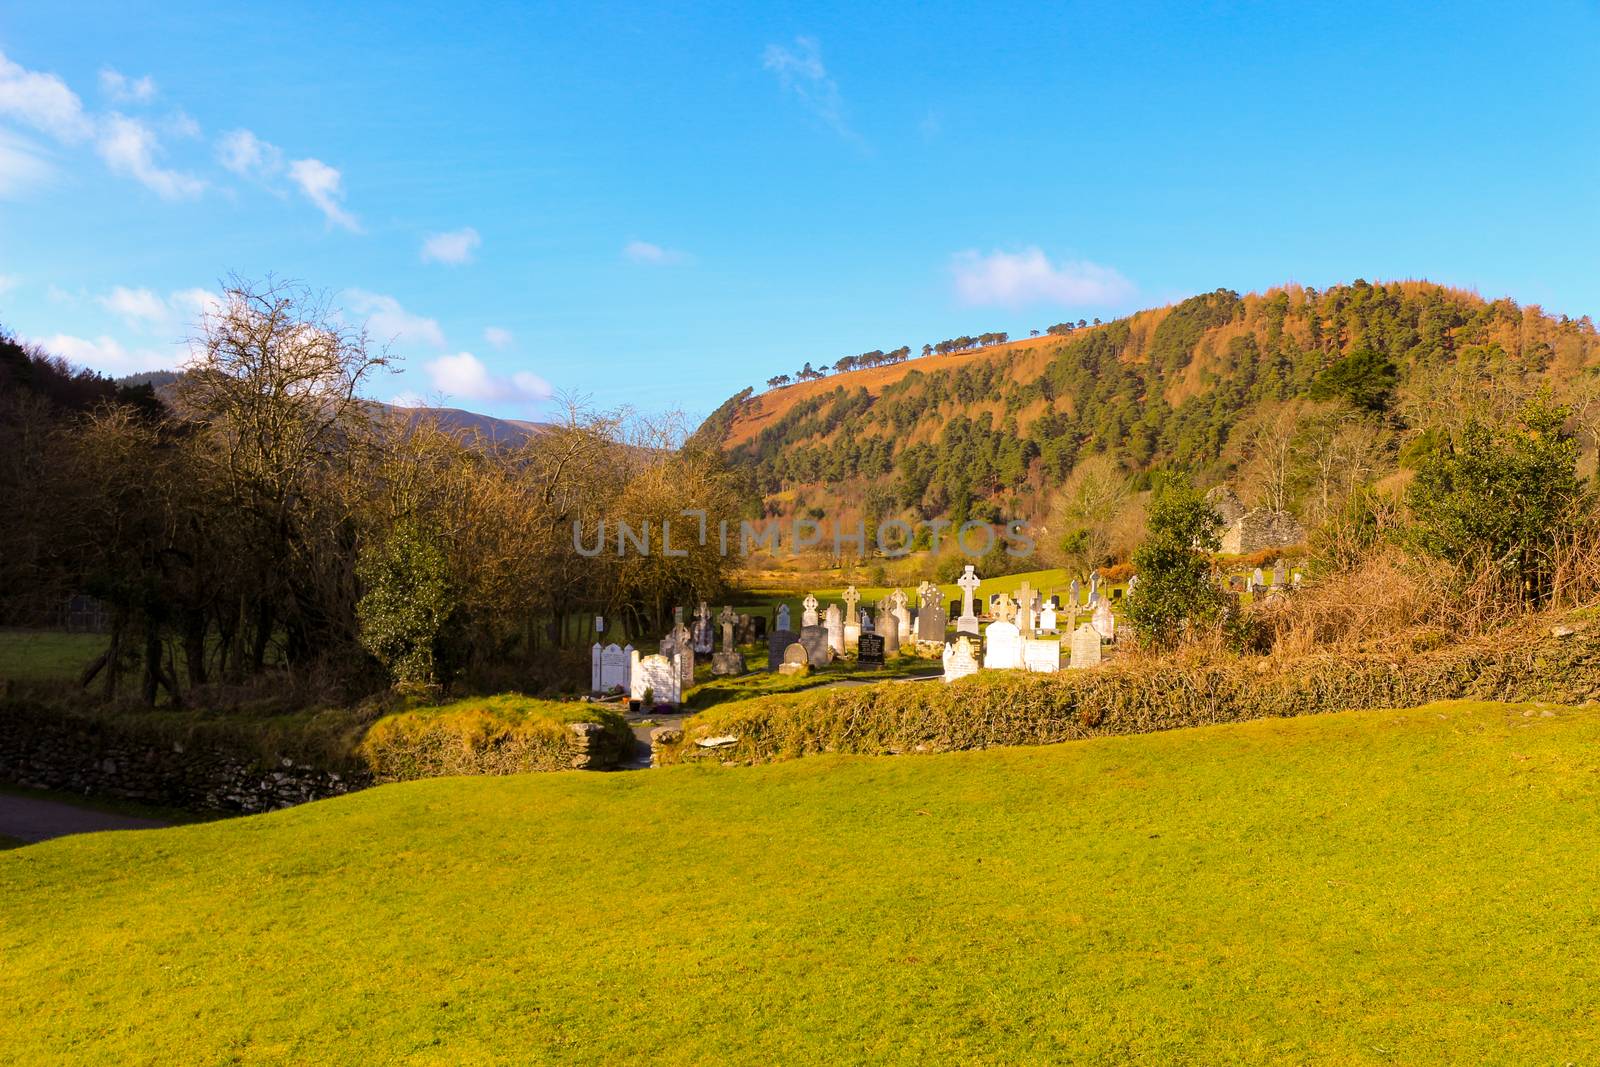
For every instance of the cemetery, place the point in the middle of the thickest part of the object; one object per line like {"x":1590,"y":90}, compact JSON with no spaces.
{"x":424,"y":640}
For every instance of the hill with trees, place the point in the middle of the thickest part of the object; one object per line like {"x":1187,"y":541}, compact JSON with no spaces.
{"x":1294,"y":394}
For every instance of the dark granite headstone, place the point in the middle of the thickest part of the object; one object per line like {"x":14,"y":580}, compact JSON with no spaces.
{"x":931,"y":621}
{"x":777,"y":642}
{"x":869,"y":652}
{"x":760,"y":622}
{"x":815,"y":638}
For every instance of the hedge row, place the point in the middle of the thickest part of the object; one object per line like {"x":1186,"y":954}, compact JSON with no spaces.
{"x":506,"y":734}
{"x":1017,"y":708}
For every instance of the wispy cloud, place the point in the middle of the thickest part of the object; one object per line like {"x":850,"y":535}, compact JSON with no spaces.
{"x":323,"y":186}
{"x":121,"y":89}
{"x":498,"y":336}
{"x":23,"y":166}
{"x":464,"y":375}
{"x":388,"y":322}
{"x":453,"y":248}
{"x":43,"y":102}
{"x":146,"y":310}
{"x":130,"y":148}
{"x":801,"y":72}
{"x":1014,"y":279}
{"x":652,"y":254}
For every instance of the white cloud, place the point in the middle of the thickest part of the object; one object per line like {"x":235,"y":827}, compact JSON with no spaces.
{"x":136,"y":307}
{"x":498,"y":336}
{"x":181,"y":124}
{"x":42,"y":101}
{"x":454,"y":248}
{"x":242,"y":152}
{"x":1013,"y":279}
{"x":801,"y":72}
{"x":464,"y":375}
{"x":129,"y":148}
{"x":107,"y":354}
{"x":145,"y":310}
{"x":125,"y":90}
{"x":409,"y":399}
{"x":387,"y":321}
{"x":323,"y":186}
{"x":23,"y":166}
{"x":651,"y":254}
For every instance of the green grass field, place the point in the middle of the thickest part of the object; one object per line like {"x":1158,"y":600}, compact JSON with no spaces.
{"x":46,"y":655}
{"x":1369,"y":887}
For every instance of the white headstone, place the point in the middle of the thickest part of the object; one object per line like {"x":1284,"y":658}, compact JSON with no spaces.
{"x":834,"y":622}
{"x":959,"y":661}
{"x":612,"y":667}
{"x":659,"y":675}
{"x":968,"y":622}
{"x":809,"y":616}
{"x":1104,"y":622}
{"x":1002,"y":647}
{"x":1047,"y":620}
{"x":1041,"y":654}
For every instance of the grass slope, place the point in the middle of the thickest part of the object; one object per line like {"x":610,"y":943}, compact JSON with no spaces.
{"x":1364,"y":887}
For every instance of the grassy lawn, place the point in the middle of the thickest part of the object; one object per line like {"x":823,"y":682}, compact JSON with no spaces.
{"x":47,"y":656}
{"x":1367,"y":887}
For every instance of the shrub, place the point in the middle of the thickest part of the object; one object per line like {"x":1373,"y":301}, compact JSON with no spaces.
{"x":1175,"y":590}
{"x":1139,"y":696}
{"x":506,"y":734}
{"x":410,"y":612}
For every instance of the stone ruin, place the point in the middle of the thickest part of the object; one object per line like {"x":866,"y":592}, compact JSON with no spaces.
{"x":1246,"y":531}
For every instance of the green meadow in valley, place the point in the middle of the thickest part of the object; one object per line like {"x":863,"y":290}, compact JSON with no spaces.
{"x":1381,"y":886}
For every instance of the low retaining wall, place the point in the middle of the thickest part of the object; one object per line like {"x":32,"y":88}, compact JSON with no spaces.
{"x":45,"y":748}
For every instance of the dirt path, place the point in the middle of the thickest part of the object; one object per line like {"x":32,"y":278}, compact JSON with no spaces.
{"x":35,"y":819}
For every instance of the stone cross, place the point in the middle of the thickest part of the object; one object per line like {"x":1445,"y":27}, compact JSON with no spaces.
{"x":810,"y":616}
{"x":728,"y":618}
{"x":969,"y":585}
{"x":1025,"y":597}
{"x":1074,"y":593}
{"x":851,"y":599}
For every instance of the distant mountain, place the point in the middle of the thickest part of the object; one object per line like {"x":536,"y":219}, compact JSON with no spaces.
{"x":992,"y":430}
{"x":470,"y":424}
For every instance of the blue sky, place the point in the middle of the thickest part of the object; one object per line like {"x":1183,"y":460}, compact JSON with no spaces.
{"x":659,"y":205}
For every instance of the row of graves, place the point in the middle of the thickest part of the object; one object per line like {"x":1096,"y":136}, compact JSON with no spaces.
{"x":1021,"y":633}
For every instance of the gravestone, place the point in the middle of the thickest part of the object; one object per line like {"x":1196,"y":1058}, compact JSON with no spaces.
{"x":1280,"y":575}
{"x":777,"y":642}
{"x":783,"y":617}
{"x":1258,"y":581}
{"x":744,"y":631}
{"x":1025,"y":609}
{"x":869,"y":653}
{"x":703,"y":635}
{"x":1002,"y":647}
{"x":795,"y":660}
{"x":815,"y":640}
{"x":833,"y":622}
{"x":682,"y":650}
{"x":1075,"y":594}
{"x":611,"y":668}
{"x":730,"y":661}
{"x":1042,"y":655}
{"x":1094,"y":588}
{"x":887,"y":626}
{"x":659,"y":675}
{"x":959,"y":661}
{"x":930,"y":616}
{"x":758,"y":628}
{"x":1294,"y":581}
{"x":1085,"y":647}
{"x":1047,"y":619}
{"x":1133,"y":583}
{"x":809,"y":616}
{"x":897,"y":604}
{"x":1002,"y":608}
{"x":967,"y":623}
{"x":1104,"y":623}
{"x":852,"y":620}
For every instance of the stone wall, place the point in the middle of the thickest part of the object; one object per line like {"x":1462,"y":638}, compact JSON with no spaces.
{"x":49,"y":749}
{"x":1261,"y":529}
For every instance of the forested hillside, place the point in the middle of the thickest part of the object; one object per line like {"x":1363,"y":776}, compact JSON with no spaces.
{"x":1292,"y":393}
